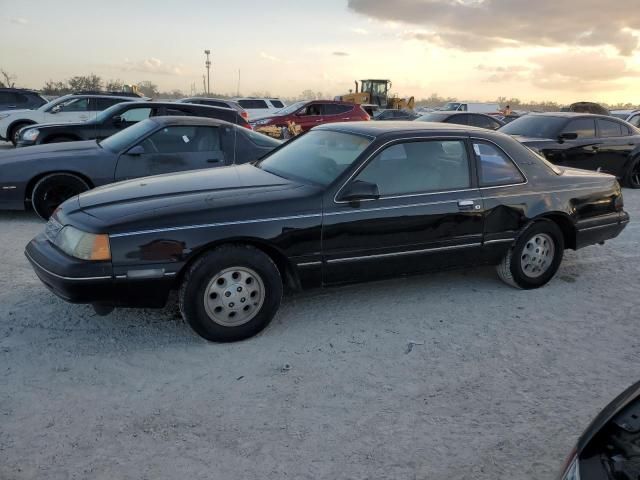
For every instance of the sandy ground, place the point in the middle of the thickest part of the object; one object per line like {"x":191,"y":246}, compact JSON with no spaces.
{"x":499,"y":385}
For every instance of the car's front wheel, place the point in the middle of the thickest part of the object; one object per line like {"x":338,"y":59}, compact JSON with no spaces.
{"x":534,"y":258}
{"x":14,"y":132}
{"x":632,"y":178}
{"x":51,"y":190}
{"x":230,"y":293}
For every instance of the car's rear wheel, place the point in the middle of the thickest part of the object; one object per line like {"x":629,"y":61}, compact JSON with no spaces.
{"x":534,"y":258}
{"x":632,"y":178}
{"x":230,"y":293}
{"x":51,"y":190}
{"x":15,"y":129}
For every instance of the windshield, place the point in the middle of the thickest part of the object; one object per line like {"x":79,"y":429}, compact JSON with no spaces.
{"x":451,"y":107}
{"x":291,"y":108}
{"x":53,"y":103}
{"x":128,"y":136}
{"x":536,"y":126}
{"x":431,"y":117}
{"x":318,"y":157}
{"x":108,"y":113}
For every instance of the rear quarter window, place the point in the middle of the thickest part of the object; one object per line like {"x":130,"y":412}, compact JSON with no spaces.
{"x":277,"y":103}
{"x":253,"y":104}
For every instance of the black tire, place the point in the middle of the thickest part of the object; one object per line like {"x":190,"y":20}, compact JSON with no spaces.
{"x":511,"y":271}
{"x":13,"y":131}
{"x":632,"y":178}
{"x":51,"y":190}
{"x":195,"y":296}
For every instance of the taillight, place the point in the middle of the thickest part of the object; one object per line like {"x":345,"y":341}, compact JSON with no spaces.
{"x":244,"y":115}
{"x":247,"y":125}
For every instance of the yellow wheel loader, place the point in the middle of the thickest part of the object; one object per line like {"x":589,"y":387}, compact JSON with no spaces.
{"x":376,"y":93}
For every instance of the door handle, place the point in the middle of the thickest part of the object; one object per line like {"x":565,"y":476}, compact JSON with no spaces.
{"x":468,"y":205}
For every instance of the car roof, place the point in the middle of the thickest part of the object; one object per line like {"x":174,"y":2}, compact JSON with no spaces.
{"x":375,"y":129}
{"x":186,"y":120}
{"x":567,"y":115}
{"x":178,"y":105}
{"x":22,"y":90}
{"x":215,"y":99}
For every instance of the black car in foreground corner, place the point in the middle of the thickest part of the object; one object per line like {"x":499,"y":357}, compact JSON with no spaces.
{"x":343,"y":203}
{"x":582,"y":140}
{"x":117,"y":118}
{"x":43,"y":176}
{"x":609,"y":449}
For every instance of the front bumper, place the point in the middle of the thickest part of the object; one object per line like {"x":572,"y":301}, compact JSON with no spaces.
{"x":79,"y":281}
{"x":599,"y":229}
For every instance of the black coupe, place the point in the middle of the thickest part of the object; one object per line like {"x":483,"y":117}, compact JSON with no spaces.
{"x":582,"y":140}
{"x":43,"y":176}
{"x":117,"y":118}
{"x":343,"y":203}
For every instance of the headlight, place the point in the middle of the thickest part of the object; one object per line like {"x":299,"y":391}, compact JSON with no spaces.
{"x":31,"y":134}
{"x":83,"y":245}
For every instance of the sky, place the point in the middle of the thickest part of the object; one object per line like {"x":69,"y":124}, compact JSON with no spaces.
{"x":560,"y":50}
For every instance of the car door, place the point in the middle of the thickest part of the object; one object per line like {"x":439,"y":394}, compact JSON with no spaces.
{"x":310,"y":116}
{"x":172,"y":149}
{"x":579,"y":152}
{"x":428,"y":213}
{"x":615,"y":148}
{"x":75,"y":109}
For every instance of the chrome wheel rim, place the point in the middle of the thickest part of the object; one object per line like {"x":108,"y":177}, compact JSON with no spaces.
{"x":537,"y":255}
{"x":234,"y":296}
{"x":635,"y":175}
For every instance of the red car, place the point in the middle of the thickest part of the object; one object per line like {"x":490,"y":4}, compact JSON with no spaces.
{"x":308,"y":114}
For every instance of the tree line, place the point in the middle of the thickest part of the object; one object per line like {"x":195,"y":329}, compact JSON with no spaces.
{"x":94,"y":82}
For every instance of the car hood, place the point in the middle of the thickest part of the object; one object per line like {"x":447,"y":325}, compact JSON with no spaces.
{"x":630,"y":395}
{"x":525,"y":140}
{"x":66,"y":124}
{"x":177,"y":194}
{"x":48,"y":150}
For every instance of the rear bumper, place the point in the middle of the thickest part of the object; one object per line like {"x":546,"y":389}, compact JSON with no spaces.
{"x":78,"y":281}
{"x":599,"y":229}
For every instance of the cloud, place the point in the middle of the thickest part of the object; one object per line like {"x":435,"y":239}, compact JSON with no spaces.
{"x":151,"y":65}
{"x":587,"y":70}
{"x":17,"y":20}
{"x":360,"y":31}
{"x":269,"y":57}
{"x":340,"y":54}
{"x":508,"y":73}
{"x":481,"y":25}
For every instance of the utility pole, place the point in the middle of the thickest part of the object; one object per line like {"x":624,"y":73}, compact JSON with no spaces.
{"x":207,"y":64}
{"x":204,"y":84}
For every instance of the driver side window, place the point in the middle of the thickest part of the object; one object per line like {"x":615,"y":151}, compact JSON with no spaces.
{"x":419,"y":167}
{"x":183,"y":139}
{"x":136,"y":115}
{"x":584,"y":127}
{"x":73,"y":105}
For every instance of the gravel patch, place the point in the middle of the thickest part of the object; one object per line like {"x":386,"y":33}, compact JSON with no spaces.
{"x":452,"y":375}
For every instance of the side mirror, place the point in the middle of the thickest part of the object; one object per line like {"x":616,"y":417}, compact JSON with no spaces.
{"x":117,"y":120}
{"x":136,"y":151}
{"x":567,"y":136}
{"x":360,"y":190}
{"x":56,"y":109}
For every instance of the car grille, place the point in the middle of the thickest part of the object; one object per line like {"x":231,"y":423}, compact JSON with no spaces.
{"x":52,"y":229}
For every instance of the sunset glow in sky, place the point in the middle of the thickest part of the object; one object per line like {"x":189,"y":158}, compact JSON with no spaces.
{"x":470,"y":49}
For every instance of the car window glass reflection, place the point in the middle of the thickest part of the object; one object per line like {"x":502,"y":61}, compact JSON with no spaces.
{"x":417,"y":167}
{"x":182,"y":139}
